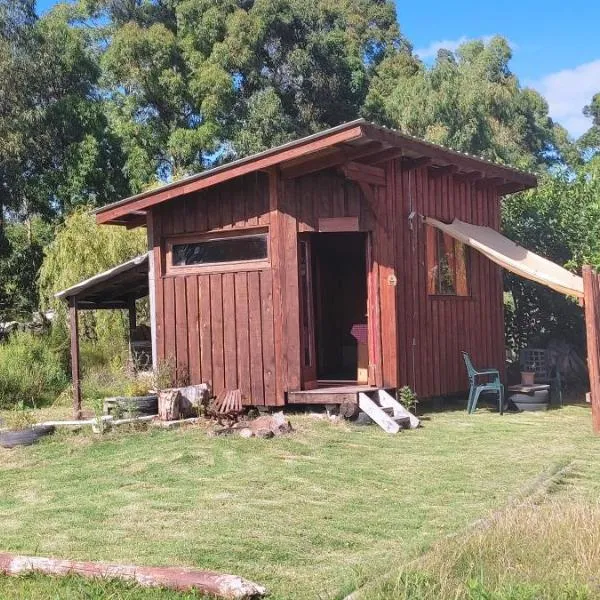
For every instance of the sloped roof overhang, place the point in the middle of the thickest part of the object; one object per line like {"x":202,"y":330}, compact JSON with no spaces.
{"x":114,"y":288}
{"x":356,"y":140}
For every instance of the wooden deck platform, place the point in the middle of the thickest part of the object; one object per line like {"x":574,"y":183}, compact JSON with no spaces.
{"x":336,"y":394}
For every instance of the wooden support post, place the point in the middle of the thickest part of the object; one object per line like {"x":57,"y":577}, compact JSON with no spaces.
{"x":75,"y":372}
{"x":131,"y":313}
{"x":591,"y":291}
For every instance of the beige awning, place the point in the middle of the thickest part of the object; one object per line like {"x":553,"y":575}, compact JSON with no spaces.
{"x":513,"y":257}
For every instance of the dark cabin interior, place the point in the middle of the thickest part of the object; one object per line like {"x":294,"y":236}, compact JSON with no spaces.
{"x":340,"y":297}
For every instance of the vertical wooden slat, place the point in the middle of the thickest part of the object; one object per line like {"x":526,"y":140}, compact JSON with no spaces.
{"x":226,"y":203}
{"x":204,"y":314}
{"x":278,"y":278}
{"x":591,"y":292}
{"x":261,"y":186}
{"x":252,"y":194}
{"x":193,"y":329}
{"x":389,"y":279}
{"x":177,"y":215}
{"x":181,"y":330}
{"x":201,"y":212}
{"x":268,"y":345}
{"x":255,"y":331}
{"x":242,"y":336}
{"x":169,"y":320}
{"x":291,"y":314}
{"x":229,"y":333}
{"x":216,"y":322}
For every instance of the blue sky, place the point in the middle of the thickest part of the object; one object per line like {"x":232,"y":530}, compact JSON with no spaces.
{"x":556,"y":43}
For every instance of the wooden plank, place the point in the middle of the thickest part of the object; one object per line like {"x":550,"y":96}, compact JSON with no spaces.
{"x":442,"y":155}
{"x":177,"y":214}
{"x":229,"y":333}
{"x":181,"y":331}
{"x":377,"y":414}
{"x":216,"y":322}
{"x":204,"y":314}
{"x":255,"y":332}
{"x":201,"y":212}
{"x":301,"y":148}
{"x":252,"y":201}
{"x":331,"y":159}
{"x":338,"y":224}
{"x":386,"y":400}
{"x":591,"y":294}
{"x":75,"y":369}
{"x":261,"y":185}
{"x":169,"y":312}
{"x":193,"y":329}
{"x":226,"y":205}
{"x":337,"y":200}
{"x":268,"y":340}
{"x":291,"y":293}
{"x":332,"y":397}
{"x":242,"y":335}
{"x":278,"y":268}
{"x":390,"y":312}
{"x":365,"y":173}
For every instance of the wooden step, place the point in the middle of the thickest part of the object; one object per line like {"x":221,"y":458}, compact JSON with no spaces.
{"x":376,"y":413}
{"x":329,"y":395}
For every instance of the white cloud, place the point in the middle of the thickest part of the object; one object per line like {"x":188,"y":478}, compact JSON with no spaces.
{"x":567,"y":92}
{"x":431,"y":51}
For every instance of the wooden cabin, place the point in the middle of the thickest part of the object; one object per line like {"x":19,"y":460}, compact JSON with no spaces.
{"x":307,"y":271}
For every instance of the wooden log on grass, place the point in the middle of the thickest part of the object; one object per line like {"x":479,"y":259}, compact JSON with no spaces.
{"x":174,"y":578}
{"x":169,"y":405}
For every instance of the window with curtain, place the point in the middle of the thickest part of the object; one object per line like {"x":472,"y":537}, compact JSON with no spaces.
{"x":447,"y":265}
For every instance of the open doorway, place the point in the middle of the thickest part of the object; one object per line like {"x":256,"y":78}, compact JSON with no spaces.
{"x":340,"y":307}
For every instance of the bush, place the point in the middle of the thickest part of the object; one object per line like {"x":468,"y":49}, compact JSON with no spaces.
{"x":31,"y":370}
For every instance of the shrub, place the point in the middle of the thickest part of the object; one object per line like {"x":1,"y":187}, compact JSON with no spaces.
{"x":31,"y":370}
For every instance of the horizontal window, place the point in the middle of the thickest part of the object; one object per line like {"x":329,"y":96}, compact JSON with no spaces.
{"x":216,"y":251}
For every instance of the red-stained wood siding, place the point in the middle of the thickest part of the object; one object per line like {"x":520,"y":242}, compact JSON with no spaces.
{"x":433,"y":330}
{"x":217,"y":327}
{"x":242,"y":329}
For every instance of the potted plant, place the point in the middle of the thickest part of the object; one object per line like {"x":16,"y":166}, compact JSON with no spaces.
{"x":528,"y":376}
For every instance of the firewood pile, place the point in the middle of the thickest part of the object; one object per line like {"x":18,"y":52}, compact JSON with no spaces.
{"x":267,"y":426}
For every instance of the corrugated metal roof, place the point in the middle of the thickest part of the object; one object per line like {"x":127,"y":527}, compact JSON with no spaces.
{"x":95,"y":282}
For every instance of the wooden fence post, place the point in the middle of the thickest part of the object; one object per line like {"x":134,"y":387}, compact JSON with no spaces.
{"x":591,"y":294}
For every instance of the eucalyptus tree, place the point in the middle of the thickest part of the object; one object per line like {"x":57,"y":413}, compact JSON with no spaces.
{"x":468,"y":100}
{"x":191,"y":82}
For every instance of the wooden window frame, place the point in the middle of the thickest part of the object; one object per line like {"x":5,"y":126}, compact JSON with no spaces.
{"x":218,"y":267}
{"x":460,"y":268}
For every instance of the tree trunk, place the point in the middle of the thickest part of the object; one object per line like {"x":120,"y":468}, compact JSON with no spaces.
{"x":175,"y":578}
{"x":169,"y":405}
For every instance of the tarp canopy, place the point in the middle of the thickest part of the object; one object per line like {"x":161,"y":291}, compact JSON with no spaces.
{"x":512,"y":257}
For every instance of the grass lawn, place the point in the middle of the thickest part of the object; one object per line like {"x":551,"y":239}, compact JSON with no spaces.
{"x":310,"y":515}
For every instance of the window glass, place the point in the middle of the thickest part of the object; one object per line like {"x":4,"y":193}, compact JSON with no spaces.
{"x":220,"y":250}
{"x":447,"y":264}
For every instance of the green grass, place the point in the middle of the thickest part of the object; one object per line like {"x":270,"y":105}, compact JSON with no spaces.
{"x":312,"y":515}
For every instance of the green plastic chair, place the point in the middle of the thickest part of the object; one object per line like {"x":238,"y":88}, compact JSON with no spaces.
{"x":477,"y":388}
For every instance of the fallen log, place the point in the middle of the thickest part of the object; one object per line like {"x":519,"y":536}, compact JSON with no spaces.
{"x":174,"y":578}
